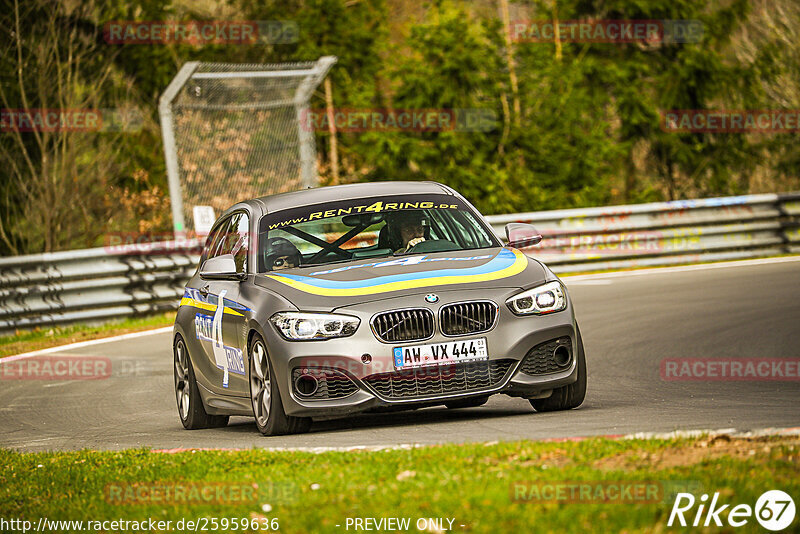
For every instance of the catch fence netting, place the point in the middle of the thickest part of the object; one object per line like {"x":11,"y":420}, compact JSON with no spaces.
{"x":236,"y":131}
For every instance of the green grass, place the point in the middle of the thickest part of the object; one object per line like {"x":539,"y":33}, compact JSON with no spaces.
{"x":42,"y":338}
{"x":470,"y":483}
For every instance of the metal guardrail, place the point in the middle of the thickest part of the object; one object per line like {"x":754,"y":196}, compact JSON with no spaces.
{"x":90,"y":285}
{"x":663,"y":233}
{"x":102,"y":283}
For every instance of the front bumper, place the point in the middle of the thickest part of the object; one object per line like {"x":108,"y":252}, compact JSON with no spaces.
{"x":357,"y":386}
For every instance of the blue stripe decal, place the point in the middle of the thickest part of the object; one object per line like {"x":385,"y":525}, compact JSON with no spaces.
{"x":213,"y":299}
{"x":502,"y":260}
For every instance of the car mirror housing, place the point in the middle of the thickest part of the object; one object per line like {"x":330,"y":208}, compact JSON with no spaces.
{"x":521,"y":235}
{"x":220,"y":268}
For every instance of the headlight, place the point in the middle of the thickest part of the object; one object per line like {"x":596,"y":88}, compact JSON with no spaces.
{"x":297,"y":326}
{"x":547,"y":298}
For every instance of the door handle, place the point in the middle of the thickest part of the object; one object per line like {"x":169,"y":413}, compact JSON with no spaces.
{"x":204,"y":290}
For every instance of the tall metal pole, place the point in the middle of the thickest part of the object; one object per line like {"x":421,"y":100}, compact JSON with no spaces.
{"x":170,"y":149}
{"x":305,"y":132}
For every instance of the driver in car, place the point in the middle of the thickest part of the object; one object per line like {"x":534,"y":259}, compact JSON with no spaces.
{"x":411,"y":228}
{"x":281,"y":254}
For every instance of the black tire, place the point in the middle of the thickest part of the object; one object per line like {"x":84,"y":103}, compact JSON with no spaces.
{"x":569,"y":396}
{"x":473,"y":402}
{"x":190,"y":406}
{"x":273,"y":420}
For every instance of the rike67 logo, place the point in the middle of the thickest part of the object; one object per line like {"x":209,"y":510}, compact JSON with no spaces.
{"x":774,"y":510}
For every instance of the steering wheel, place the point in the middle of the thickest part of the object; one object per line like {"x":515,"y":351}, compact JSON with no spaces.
{"x":433,"y":245}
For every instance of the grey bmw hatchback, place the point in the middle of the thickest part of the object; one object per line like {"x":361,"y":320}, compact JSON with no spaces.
{"x":393,"y":295}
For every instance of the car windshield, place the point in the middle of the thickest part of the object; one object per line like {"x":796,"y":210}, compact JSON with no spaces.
{"x":368,"y":228}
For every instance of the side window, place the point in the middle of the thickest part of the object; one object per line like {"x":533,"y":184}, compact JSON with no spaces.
{"x":241,"y":240}
{"x":231,"y":236}
{"x":233,"y":239}
{"x":218,"y":238}
{"x":207,"y":246}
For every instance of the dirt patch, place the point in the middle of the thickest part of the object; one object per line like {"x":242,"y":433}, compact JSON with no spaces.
{"x":709,"y":448}
{"x":554,"y":458}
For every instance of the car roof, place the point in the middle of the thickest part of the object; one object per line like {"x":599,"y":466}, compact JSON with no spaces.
{"x":319,"y":195}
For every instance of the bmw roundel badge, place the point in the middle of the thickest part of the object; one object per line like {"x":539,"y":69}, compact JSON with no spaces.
{"x":430,"y":297}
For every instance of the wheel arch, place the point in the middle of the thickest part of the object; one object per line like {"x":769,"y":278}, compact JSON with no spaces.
{"x":205,"y":393}
{"x":255,"y":327}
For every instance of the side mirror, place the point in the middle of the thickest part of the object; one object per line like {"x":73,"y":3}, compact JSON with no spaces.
{"x":220,"y":268}
{"x":521,"y":235}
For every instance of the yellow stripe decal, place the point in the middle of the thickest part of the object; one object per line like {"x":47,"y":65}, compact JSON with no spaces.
{"x":186,"y":301}
{"x":520,"y":262}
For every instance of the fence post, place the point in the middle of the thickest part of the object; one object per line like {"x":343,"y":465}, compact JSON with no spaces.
{"x":170,"y":150}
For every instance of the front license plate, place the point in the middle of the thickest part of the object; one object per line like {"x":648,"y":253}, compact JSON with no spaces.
{"x":440,"y":353}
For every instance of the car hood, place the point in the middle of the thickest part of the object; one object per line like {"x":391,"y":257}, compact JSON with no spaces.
{"x":331,"y":286}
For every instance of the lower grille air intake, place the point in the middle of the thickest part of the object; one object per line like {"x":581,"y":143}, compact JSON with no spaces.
{"x":440,"y":380}
{"x":549,"y":357}
{"x":321,"y":384}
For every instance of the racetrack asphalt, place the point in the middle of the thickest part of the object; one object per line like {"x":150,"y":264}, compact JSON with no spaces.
{"x":630,"y":322}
